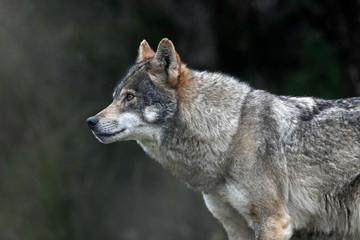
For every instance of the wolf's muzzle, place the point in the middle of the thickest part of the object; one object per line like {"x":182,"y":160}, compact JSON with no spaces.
{"x":91,"y":122}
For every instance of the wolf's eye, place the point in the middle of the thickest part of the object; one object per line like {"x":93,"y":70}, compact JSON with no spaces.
{"x":129,"y":97}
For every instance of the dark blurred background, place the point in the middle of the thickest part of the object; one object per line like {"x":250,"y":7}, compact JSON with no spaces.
{"x":59,"y":62}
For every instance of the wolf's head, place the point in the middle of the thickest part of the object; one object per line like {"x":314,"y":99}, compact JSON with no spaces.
{"x":144,"y":100}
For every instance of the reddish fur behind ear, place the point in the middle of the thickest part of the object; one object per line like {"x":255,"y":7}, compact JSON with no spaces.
{"x":185,"y":87}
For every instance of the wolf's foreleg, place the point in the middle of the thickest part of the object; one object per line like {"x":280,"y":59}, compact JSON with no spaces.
{"x":277,"y":226}
{"x":235,"y":225}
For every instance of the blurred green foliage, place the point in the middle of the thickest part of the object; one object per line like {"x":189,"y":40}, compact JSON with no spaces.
{"x":320,"y":71}
{"x":59,"y":63}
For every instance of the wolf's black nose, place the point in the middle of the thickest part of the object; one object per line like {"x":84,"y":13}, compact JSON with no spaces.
{"x":92,"y":121}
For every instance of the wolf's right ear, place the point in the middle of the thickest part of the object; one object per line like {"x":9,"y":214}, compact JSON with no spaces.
{"x":166,"y":64}
{"x":145,"y":52}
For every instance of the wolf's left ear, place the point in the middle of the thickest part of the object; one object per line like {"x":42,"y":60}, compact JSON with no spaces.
{"x":166,"y":60}
{"x":145,"y":52}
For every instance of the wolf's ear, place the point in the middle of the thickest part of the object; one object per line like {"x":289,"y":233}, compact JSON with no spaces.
{"x":166,"y":60}
{"x":145,"y":52}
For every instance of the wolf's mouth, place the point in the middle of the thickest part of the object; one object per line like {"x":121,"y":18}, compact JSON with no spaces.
{"x":109,"y":134}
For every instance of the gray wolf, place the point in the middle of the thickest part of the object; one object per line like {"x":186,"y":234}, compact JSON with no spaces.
{"x":268,"y":166}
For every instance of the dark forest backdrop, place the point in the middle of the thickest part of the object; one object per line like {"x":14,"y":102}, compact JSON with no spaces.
{"x":59,"y":62}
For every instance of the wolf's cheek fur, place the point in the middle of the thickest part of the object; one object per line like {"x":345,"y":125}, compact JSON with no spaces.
{"x":151,"y":113}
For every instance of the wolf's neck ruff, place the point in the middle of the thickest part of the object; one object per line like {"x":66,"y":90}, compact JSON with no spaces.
{"x":193,"y":147}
